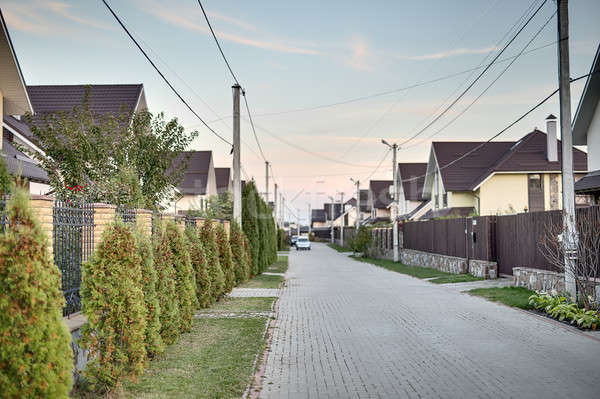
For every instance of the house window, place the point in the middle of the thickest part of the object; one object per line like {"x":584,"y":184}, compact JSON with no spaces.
{"x":445,"y":200}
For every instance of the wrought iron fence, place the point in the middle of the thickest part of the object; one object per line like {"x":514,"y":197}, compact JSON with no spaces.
{"x":73,"y":243}
{"x":127,"y":215}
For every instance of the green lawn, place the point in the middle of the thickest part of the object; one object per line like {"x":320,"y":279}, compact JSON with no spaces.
{"x":419,"y":272}
{"x":213,"y":361}
{"x":510,"y":296}
{"x":280,"y":266}
{"x":263,"y":281}
{"x":338,"y":247}
{"x":241,"y":305}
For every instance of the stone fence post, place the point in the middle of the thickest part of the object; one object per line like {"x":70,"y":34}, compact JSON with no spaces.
{"x":143,"y":221}
{"x":104,"y":214}
{"x":43,"y":208}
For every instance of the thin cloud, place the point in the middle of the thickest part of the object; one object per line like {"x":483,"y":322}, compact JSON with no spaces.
{"x":361,"y":55}
{"x":447,"y":54}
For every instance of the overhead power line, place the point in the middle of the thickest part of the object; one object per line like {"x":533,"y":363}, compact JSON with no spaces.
{"x":162,"y":75}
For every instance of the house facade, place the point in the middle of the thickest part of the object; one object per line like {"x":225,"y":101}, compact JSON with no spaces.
{"x":411,"y":177}
{"x":379,"y":200}
{"x":318,"y":218}
{"x":498,"y":177}
{"x":586,"y":131}
{"x":199,"y":181}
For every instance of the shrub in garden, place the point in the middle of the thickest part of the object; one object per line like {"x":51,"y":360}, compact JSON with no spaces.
{"x":238,"y":253}
{"x":35,"y":346}
{"x":558,"y":307}
{"x":362,"y":241}
{"x":281,"y":240}
{"x":217,"y":278}
{"x":165,"y":287}
{"x":185,"y":283}
{"x":113,"y":302}
{"x":248,"y":256}
{"x":263,"y":244}
{"x":154,"y":343}
{"x":225,"y":257}
{"x":196,"y":250}
{"x":250,"y":223}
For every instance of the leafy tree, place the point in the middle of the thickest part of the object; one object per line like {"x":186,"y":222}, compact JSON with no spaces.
{"x":225,"y":257}
{"x":198,"y":258}
{"x":154,"y":343}
{"x":240,"y":261}
{"x":218,"y":207}
{"x":211,"y":251}
{"x":165,"y":287}
{"x":185,"y":285}
{"x":362,"y":241}
{"x":113,"y":302}
{"x":35,"y":346}
{"x":125,"y":159}
{"x":250,"y":223}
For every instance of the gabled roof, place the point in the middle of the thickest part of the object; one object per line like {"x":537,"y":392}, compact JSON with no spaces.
{"x":364,"y":201}
{"x":588,"y":103}
{"x":12,"y":83}
{"x":195,"y":178}
{"x":380,"y":190}
{"x":413,"y":188}
{"x":223,"y":176}
{"x":351,"y":202}
{"x":318,"y":215}
{"x":20,"y":163}
{"x":337,"y":210}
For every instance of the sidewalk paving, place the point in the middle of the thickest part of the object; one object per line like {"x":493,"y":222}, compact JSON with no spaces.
{"x":254,"y":292}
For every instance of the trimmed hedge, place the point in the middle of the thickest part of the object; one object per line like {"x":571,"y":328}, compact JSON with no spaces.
{"x":165,"y":287}
{"x":35,"y":346}
{"x":250,"y":224}
{"x":217,"y":278}
{"x":113,"y":302}
{"x":238,"y":252}
{"x":203,"y":284}
{"x":185,"y":283}
{"x":225,"y":257}
{"x":154,"y":342}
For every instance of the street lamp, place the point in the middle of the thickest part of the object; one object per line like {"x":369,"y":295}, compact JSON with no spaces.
{"x":394,"y":148}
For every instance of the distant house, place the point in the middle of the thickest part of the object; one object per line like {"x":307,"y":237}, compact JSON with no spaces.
{"x":379,"y":200}
{"x":14,"y":102}
{"x":411,"y":177}
{"x":332,"y":213}
{"x":586,"y":131}
{"x":199,"y":181}
{"x":318,"y":218}
{"x":499,"y":177}
{"x":224,"y":182}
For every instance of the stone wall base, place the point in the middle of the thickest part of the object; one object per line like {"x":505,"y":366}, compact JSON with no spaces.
{"x":449,"y":264}
{"x":483,"y":268}
{"x":538,"y":279}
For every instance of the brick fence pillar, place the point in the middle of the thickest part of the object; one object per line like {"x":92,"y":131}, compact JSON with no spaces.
{"x":180,"y":222}
{"x":43,"y":208}
{"x":227,"y":226}
{"x":104,"y":214}
{"x":143,"y":221}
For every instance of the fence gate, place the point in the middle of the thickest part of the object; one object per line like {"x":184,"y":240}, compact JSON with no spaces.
{"x":73,"y":244}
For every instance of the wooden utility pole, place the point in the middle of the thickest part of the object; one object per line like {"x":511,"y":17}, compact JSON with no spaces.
{"x":267,"y":182}
{"x":275,"y":216}
{"x":395,"y":207}
{"x":342,"y":221}
{"x":568,"y":183}
{"x":237,"y":182}
{"x":309,"y":220}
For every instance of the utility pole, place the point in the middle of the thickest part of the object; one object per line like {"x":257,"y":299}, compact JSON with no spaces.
{"x":275,"y":206}
{"x":568,"y":184}
{"x":309,"y":220}
{"x":267,"y":182}
{"x":237,"y":182}
{"x":298,"y":222}
{"x":357,"y":222}
{"x":331,"y":207}
{"x":342,"y":221}
{"x":394,"y":148}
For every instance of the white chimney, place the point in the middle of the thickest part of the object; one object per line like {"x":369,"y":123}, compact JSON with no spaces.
{"x":551,"y":143}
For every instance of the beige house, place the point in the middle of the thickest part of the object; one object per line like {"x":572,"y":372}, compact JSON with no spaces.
{"x":380,"y":200}
{"x":199,"y":181}
{"x":498,"y":177}
{"x":411,"y":204}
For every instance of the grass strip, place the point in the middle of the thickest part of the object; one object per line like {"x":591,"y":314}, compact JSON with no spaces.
{"x":263,"y":281}
{"x":214,"y":360}
{"x":241,"y":305}
{"x":338,"y":248}
{"x":280,"y":266}
{"x":517,"y":297}
{"x":455,"y":278}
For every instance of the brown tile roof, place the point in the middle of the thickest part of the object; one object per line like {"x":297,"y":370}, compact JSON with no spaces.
{"x":196,"y":175}
{"x":381,"y":193}
{"x":18,"y":162}
{"x":337,"y":210}
{"x":588,"y":183}
{"x":413,"y":188}
{"x":223,"y":176}
{"x":318,"y":215}
{"x":364,"y":201}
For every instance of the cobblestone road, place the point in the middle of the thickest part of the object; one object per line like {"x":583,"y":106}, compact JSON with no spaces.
{"x":348,"y":329}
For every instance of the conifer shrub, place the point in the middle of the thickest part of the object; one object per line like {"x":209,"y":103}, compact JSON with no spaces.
{"x":36,"y":359}
{"x":185,"y":280}
{"x":250,"y":224}
{"x":263,"y":244}
{"x":238,"y":253}
{"x":217,"y":278}
{"x":165,"y":286}
{"x":154,"y":342}
{"x":198,"y":258}
{"x":113,"y":301}
{"x":225,"y":257}
{"x":248,"y":258}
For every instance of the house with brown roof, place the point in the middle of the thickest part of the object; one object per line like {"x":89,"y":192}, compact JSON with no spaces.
{"x":318,"y":218}
{"x":498,"y":177}
{"x":379,"y":200}
{"x":586,"y":131}
{"x":199,"y":180}
{"x":224,"y":180}
{"x":411,"y":177}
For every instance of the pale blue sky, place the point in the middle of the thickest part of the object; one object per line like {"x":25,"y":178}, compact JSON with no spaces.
{"x":291,"y":55}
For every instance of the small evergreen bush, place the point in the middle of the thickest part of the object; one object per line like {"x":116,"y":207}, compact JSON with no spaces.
{"x":225,"y":257}
{"x":238,"y":253}
{"x":113,"y":302}
{"x":250,"y":223}
{"x":165,"y":287}
{"x":185,"y":279}
{"x":217,"y":278}
{"x":36,"y":359}
{"x":263,"y":237}
{"x":196,"y":250}
{"x":248,"y":258}
{"x":154,"y":343}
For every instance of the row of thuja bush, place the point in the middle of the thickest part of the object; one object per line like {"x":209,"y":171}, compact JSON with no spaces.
{"x":138,"y":294}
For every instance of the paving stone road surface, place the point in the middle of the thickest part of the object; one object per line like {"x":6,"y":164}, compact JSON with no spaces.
{"x":348,"y":329}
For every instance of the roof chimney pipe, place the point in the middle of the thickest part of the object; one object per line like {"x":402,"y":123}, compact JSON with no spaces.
{"x":551,"y":143}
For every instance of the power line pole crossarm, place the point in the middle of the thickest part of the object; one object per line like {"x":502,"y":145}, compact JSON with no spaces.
{"x":237,"y":182}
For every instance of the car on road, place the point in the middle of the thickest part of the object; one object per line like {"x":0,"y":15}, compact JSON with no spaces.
{"x":293,"y":241}
{"x":303,"y":243}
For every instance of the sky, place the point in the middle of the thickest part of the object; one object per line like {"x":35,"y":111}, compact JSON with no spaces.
{"x":292,"y":58}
